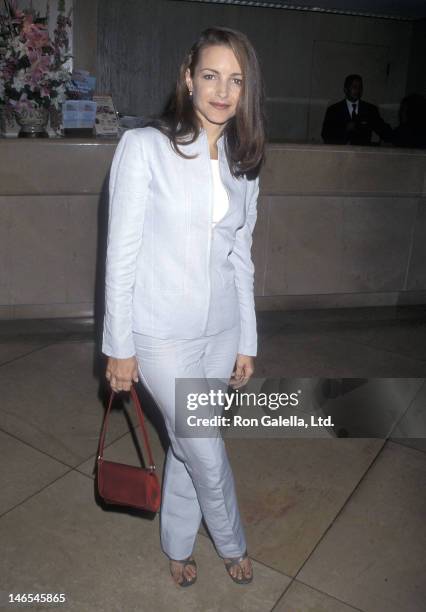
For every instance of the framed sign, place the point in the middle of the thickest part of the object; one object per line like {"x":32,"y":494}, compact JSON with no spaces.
{"x":106,"y":123}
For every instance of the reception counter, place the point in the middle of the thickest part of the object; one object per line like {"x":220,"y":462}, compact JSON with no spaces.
{"x":337,"y":226}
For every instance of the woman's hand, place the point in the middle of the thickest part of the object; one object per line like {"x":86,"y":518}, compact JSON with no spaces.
{"x":121,"y":373}
{"x":244,"y":368}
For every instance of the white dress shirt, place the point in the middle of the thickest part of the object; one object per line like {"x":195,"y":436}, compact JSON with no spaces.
{"x":350,"y":107}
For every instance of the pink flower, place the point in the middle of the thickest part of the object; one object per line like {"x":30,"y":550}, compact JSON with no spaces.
{"x":33,"y":56}
{"x":35,"y":33}
{"x":18,"y":15}
{"x":44,"y":92}
{"x":38,"y":69}
{"x":30,"y":41}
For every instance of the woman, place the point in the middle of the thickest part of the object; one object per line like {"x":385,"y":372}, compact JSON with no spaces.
{"x":179,"y":276}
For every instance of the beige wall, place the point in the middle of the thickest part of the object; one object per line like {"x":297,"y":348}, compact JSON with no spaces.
{"x":337,"y":226}
{"x":341,"y":226}
{"x":85,"y":34}
{"x":305,"y":56}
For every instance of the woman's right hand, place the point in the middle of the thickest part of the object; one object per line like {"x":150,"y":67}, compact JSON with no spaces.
{"x":121,"y":373}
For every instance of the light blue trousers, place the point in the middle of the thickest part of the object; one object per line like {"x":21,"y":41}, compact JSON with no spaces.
{"x":198,"y":480}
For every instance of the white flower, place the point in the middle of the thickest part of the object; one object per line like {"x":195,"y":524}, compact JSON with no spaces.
{"x":19,"y":47}
{"x":56,"y":102}
{"x":19,"y":80}
{"x":61,"y":90}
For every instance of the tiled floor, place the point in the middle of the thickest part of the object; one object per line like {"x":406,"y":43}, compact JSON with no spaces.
{"x":333,"y":524}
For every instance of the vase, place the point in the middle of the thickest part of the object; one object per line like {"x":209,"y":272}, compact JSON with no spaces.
{"x":33,"y":121}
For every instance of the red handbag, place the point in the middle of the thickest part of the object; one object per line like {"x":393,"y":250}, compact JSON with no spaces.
{"x":128,"y":485}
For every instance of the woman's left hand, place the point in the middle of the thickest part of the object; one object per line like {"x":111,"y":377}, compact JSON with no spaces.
{"x":244,"y":368}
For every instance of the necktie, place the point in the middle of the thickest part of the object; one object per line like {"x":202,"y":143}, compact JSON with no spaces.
{"x":353,"y":116}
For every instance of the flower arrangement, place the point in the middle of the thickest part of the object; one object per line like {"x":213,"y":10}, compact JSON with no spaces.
{"x":32,"y":72}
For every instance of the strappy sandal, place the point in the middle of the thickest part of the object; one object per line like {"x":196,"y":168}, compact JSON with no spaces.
{"x":185,"y":582}
{"x":237,"y":561}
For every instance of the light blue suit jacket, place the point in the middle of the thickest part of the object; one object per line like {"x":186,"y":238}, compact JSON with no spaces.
{"x":168,"y":273}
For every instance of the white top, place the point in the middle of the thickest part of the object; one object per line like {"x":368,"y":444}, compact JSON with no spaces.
{"x":220,"y":195}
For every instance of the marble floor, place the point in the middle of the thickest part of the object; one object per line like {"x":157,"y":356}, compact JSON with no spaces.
{"x":333,"y":524}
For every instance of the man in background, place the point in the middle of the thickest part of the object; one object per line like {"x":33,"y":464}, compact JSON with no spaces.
{"x":352,"y":121}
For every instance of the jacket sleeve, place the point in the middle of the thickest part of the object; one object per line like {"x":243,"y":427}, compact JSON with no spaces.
{"x":128,"y":189}
{"x":241,"y":259}
{"x":333,"y":131}
{"x":326,"y":131}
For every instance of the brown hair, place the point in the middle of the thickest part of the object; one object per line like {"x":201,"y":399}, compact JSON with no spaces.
{"x":244,"y":134}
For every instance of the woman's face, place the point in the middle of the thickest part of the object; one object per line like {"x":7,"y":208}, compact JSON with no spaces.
{"x":216,"y":85}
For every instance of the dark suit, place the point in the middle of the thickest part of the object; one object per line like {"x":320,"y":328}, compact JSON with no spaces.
{"x":368,"y":119}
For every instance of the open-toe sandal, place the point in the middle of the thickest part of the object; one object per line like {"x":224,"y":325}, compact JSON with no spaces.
{"x":236,"y":561}
{"x":185,"y":581}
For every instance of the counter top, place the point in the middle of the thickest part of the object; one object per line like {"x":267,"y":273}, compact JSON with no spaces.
{"x":64,"y":166}
{"x":337,"y":226}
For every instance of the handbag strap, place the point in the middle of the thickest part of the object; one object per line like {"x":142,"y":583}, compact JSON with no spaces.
{"x":140,"y":415}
